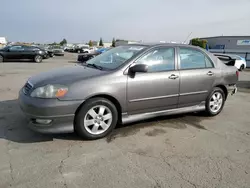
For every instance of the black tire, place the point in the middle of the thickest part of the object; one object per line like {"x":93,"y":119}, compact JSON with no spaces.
{"x":209,"y":111}
{"x":1,"y":59}
{"x":80,"y":117}
{"x":46,"y":56}
{"x":52,"y":55}
{"x":241,"y":68}
{"x":38,"y":59}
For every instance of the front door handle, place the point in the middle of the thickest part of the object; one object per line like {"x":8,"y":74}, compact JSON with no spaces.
{"x":173,"y":76}
{"x":210,"y":73}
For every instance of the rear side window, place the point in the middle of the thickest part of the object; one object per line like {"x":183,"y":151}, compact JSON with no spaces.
{"x":193,"y":59}
{"x":158,"y":60}
{"x":209,"y":63}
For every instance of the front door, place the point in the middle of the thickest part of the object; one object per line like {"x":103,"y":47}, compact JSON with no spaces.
{"x":158,"y":89}
{"x":197,"y":75}
{"x":15,"y":52}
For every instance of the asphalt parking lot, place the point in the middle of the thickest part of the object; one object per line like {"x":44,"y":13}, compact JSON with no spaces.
{"x":188,"y":151}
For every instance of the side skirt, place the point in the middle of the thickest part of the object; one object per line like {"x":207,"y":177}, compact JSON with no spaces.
{"x":137,"y":117}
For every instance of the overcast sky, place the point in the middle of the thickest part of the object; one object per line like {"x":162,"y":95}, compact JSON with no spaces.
{"x":148,"y":20}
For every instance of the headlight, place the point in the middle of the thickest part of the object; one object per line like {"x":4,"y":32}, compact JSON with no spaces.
{"x":50,"y":91}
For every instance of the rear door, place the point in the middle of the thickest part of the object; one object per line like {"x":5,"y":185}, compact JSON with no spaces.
{"x":157,"y":89}
{"x":30,"y":52}
{"x":197,"y":75}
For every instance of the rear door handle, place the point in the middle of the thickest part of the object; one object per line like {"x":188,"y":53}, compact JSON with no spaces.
{"x":210,"y":73}
{"x":173,"y":76}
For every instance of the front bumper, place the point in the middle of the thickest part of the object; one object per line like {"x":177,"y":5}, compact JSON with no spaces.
{"x":60,"y":113}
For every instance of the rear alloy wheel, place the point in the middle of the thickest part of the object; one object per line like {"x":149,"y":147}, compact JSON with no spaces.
{"x":1,"y":59}
{"x":38,"y":59}
{"x":215,"y":102}
{"x":96,"y":119}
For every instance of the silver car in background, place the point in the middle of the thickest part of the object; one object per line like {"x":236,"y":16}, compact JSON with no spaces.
{"x":126,"y":84}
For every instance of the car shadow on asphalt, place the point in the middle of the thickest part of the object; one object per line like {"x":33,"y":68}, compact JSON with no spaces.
{"x":13,"y":125}
{"x":18,"y":61}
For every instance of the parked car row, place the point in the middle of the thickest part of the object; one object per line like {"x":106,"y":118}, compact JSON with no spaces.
{"x":79,"y":49}
{"x":57,"y":50}
{"x":87,"y":56}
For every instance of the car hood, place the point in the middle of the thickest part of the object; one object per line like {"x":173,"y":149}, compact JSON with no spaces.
{"x":65,"y":75}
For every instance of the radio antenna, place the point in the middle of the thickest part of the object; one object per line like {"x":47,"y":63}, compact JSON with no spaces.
{"x":188,"y":37}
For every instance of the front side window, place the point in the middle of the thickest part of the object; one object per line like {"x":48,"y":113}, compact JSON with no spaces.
{"x":115,"y":57}
{"x":16,"y":48}
{"x":161,"y":59}
{"x":193,"y":59}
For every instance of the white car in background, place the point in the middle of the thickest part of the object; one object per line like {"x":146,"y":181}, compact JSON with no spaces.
{"x":234,"y":60}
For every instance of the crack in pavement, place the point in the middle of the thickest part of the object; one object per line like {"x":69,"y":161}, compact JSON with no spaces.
{"x":60,"y":167}
{"x":10,"y":163}
{"x":8,"y":154}
{"x":156,"y":185}
{"x":179,"y":173}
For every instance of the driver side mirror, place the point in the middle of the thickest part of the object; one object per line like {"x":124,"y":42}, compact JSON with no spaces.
{"x":138,"y":68}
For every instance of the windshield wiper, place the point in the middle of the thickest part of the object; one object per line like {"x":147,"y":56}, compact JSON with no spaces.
{"x":92,"y":65}
{"x":95,"y":66}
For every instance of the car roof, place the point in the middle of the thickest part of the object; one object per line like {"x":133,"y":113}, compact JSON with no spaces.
{"x":163,"y":44}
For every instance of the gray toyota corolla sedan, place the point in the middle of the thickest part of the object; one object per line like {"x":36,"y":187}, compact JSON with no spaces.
{"x":126,"y":84}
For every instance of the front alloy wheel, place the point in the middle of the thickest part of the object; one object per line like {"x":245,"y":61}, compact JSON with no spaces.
{"x":96,"y":118}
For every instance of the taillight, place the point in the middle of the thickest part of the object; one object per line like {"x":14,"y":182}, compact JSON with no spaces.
{"x":237,"y":73}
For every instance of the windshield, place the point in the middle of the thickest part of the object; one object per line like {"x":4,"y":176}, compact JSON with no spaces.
{"x":115,"y":57}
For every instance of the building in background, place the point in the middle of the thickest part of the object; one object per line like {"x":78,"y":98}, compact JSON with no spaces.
{"x":120,"y":42}
{"x":3,"y":42}
{"x":107,"y":44}
{"x":229,"y":42}
{"x":239,"y":45}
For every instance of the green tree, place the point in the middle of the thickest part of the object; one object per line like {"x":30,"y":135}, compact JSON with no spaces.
{"x":90,"y":43}
{"x":199,"y":42}
{"x":101,"y":42}
{"x":113,"y":43}
{"x":63,"y":42}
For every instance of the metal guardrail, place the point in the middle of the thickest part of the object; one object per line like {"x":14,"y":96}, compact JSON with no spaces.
{"x":243,"y":53}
